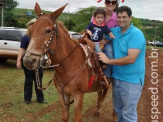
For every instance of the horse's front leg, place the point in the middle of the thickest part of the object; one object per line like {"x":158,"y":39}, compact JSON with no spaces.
{"x":78,"y":102}
{"x":65,"y":106}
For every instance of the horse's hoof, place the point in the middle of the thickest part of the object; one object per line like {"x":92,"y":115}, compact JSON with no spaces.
{"x":96,"y":114}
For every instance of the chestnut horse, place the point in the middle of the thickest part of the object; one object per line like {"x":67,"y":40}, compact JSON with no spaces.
{"x":72,"y":72}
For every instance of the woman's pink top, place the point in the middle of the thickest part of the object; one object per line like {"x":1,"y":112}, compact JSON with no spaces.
{"x":112,"y":21}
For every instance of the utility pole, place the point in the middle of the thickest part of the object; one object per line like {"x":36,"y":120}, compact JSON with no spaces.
{"x":2,"y":6}
{"x":68,"y":14}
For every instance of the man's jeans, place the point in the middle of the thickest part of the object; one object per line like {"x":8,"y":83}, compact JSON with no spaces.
{"x":125,"y":98}
{"x":108,"y":50}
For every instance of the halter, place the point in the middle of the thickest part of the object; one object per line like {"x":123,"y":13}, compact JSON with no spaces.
{"x":46,"y":47}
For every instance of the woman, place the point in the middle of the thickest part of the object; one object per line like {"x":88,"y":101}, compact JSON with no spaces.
{"x":29,"y":74}
{"x":110,"y":21}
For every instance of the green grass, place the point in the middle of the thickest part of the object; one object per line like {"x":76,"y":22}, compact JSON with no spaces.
{"x":13,"y":108}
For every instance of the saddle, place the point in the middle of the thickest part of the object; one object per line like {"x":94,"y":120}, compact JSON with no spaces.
{"x":96,"y":73}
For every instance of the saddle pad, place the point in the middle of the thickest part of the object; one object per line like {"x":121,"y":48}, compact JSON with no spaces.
{"x":86,"y":50}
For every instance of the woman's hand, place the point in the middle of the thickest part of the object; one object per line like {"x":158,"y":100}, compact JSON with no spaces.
{"x":20,"y":55}
{"x":18,"y":64}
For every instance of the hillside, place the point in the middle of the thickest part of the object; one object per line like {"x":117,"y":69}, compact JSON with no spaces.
{"x":79,"y":20}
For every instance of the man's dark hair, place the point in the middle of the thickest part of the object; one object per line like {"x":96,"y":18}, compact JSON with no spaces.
{"x":99,"y":11}
{"x":125,"y":9}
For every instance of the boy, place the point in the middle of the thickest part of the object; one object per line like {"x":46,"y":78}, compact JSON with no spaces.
{"x":97,"y":28}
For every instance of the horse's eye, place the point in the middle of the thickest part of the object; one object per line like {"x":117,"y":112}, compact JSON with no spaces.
{"x":48,"y":31}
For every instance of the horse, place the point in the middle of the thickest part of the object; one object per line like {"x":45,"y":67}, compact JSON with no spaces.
{"x":71,"y":68}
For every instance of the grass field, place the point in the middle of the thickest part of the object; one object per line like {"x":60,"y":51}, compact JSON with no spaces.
{"x":13,"y":108}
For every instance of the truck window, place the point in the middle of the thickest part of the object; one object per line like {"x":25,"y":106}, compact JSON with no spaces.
{"x":2,"y":34}
{"x":13,"y":35}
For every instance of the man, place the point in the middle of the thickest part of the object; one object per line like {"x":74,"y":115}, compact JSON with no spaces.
{"x":129,"y":66}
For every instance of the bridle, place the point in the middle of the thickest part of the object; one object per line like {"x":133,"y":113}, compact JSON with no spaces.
{"x":46,"y":47}
{"x":45,"y":50}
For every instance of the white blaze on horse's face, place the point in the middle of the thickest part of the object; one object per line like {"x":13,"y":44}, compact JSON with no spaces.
{"x":41,"y":32}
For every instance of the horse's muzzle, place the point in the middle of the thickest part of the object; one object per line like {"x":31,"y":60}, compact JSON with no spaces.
{"x":31,"y":62}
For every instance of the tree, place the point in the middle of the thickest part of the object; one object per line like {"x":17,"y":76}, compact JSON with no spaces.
{"x":159,"y":32}
{"x":137,"y":22}
{"x":9,"y":19}
{"x":10,"y":4}
{"x":82,"y":18}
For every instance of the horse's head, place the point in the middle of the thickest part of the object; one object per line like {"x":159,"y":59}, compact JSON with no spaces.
{"x":42,"y":34}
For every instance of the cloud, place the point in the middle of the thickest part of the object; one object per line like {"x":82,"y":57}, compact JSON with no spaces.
{"x":148,"y":9}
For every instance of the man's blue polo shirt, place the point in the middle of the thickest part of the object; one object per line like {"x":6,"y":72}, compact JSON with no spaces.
{"x":133,"y":38}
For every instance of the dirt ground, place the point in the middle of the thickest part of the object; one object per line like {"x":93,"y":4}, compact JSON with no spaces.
{"x":152,"y":95}
{"x":150,"y":105}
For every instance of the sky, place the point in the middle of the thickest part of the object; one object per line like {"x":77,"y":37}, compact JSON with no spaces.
{"x":147,"y":9}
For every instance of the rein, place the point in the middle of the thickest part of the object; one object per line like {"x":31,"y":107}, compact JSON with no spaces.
{"x":74,"y":77}
{"x":38,"y":81}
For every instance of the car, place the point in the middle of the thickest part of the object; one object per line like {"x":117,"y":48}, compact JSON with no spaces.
{"x":74,"y":35}
{"x":10,"y":38}
{"x":156,"y":43}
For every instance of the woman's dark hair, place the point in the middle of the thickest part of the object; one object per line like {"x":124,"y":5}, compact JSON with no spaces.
{"x":99,"y":11}
{"x":125,"y":9}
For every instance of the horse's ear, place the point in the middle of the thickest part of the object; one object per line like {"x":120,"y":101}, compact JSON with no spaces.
{"x":56,"y":13}
{"x":38,"y":10}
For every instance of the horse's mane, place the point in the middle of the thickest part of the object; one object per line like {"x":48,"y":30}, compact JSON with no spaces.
{"x":63,"y":27}
{"x":66,"y":31}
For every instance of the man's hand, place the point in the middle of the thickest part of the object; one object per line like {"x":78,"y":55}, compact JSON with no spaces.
{"x":129,"y":59}
{"x":102,"y":57}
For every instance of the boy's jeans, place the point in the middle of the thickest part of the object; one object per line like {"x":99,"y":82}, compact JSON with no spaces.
{"x":125,"y":98}
{"x":108,"y":50}
{"x":97,"y":47}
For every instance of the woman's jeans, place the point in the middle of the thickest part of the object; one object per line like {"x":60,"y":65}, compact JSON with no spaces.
{"x":108,"y":50}
{"x":125,"y":98}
